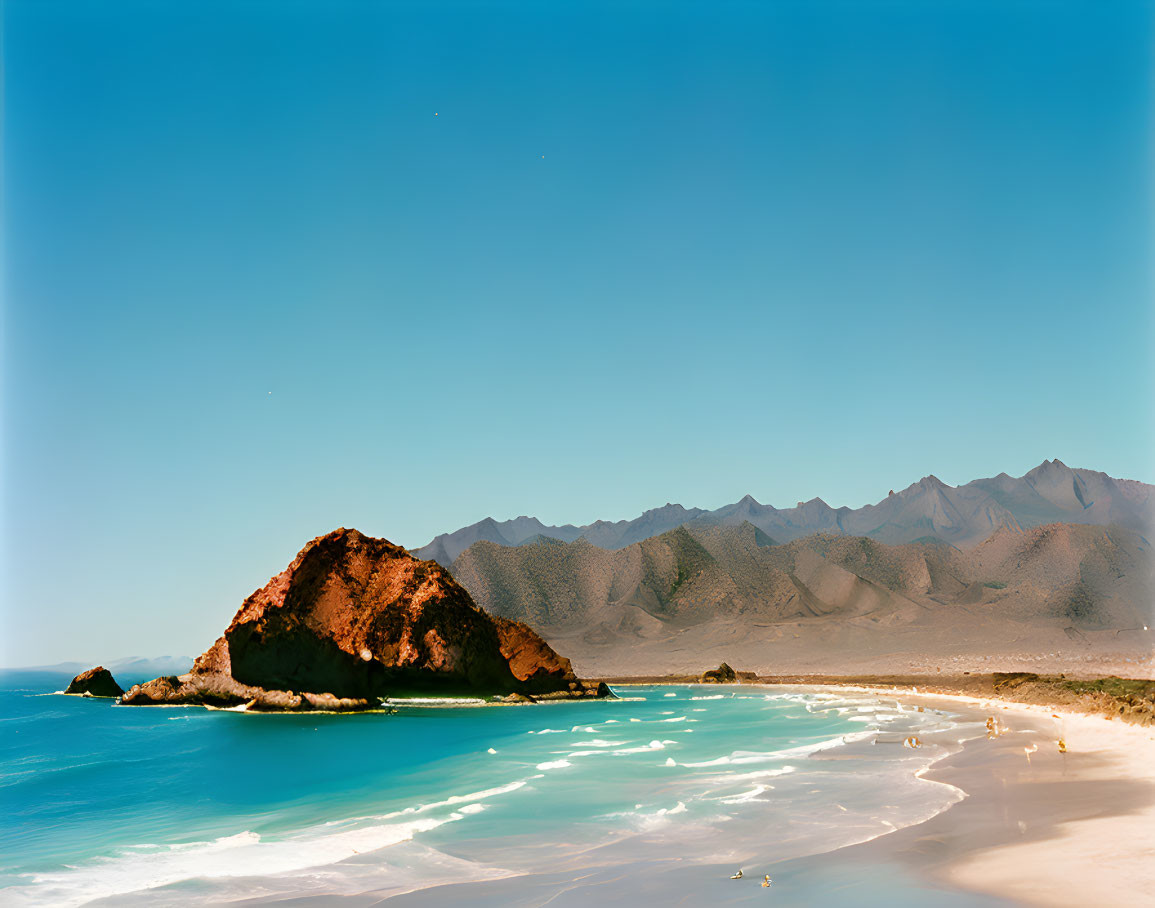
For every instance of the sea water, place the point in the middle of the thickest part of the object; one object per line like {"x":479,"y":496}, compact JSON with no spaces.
{"x":169,"y":805}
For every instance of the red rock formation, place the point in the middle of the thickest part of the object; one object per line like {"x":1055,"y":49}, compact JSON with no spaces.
{"x":96,"y":682}
{"x":353,"y":619}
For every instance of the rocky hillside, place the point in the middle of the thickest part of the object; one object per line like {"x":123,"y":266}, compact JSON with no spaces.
{"x":354,"y":619}
{"x":928,"y":509}
{"x":687,"y":595}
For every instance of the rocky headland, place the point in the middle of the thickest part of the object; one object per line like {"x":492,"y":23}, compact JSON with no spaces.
{"x":96,"y":682}
{"x":354,"y":620}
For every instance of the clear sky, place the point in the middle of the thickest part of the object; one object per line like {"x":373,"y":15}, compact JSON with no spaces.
{"x":276,"y":267}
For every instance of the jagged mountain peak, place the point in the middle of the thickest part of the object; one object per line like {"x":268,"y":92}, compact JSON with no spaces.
{"x":667,"y":508}
{"x":1049,"y":466}
{"x":930,"y":508}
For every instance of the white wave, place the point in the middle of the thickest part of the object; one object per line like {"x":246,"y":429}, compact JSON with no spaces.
{"x":805,"y":750}
{"x":654,"y":819}
{"x":747,"y":796}
{"x":598,"y":742}
{"x":142,"y":867}
{"x":711,"y":697}
{"x":451,"y":801}
{"x":731,"y":777}
{"x":678,"y":719}
{"x":669,"y":695}
{"x":555,"y":764}
{"x":436,"y":701}
{"x":741,"y":757}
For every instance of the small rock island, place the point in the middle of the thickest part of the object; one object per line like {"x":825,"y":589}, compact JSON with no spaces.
{"x":96,"y":682}
{"x":355,"y":619}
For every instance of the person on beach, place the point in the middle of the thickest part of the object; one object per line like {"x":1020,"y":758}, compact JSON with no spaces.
{"x":766,"y":881}
{"x":737,"y":876}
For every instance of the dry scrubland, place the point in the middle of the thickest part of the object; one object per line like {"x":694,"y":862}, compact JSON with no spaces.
{"x":1057,"y":598}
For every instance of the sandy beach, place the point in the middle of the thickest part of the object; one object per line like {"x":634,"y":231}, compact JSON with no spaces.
{"x":1039,"y":826}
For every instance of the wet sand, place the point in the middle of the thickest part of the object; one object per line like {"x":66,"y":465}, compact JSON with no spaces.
{"x":1045,"y":828}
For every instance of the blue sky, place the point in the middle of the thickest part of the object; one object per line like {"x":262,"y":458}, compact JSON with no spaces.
{"x":272,"y":268}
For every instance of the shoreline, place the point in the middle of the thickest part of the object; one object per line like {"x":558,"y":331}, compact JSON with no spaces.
{"x":1034,"y":826}
{"x":1037,"y":826}
{"x":1129,"y":699}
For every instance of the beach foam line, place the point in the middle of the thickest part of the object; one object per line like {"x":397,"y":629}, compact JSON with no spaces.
{"x":751,"y":776}
{"x":147,"y":866}
{"x":805,"y":750}
{"x":451,"y":801}
{"x":657,"y":818}
{"x":141,"y":867}
{"x":747,"y":796}
{"x":742,"y":757}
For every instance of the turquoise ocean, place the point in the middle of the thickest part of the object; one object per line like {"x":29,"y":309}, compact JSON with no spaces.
{"x":157,"y":805}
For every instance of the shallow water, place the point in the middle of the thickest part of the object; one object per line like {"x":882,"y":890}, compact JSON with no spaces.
{"x":184,"y":805}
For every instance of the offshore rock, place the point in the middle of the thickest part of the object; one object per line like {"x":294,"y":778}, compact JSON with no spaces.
{"x":96,"y":682}
{"x":723,"y":674}
{"x":354,"y":619}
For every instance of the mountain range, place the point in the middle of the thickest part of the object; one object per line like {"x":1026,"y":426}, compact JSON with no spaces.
{"x":131,"y":667}
{"x":928,"y":510}
{"x":701,"y":593}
